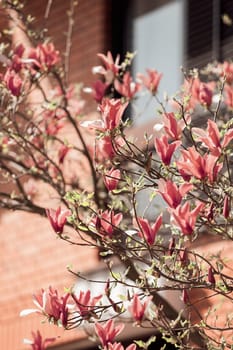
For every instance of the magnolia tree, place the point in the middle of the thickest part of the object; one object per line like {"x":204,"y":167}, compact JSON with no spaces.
{"x":186,"y":168}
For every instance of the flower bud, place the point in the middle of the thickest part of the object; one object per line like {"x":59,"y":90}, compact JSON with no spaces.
{"x":226,"y":207}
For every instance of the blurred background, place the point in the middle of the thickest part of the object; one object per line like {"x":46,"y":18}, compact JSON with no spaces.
{"x":167,"y":35}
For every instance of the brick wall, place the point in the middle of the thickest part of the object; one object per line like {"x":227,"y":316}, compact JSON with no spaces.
{"x":31,"y":256}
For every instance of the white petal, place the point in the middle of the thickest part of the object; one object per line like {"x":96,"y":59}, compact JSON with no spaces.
{"x":28,"y":312}
{"x":93,"y":124}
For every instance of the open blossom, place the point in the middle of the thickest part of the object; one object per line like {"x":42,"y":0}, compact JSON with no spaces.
{"x":151,"y":80}
{"x":107,"y":221}
{"x":205,"y":95}
{"x":227,"y":71}
{"x":194,"y":164}
{"x":147,"y":231}
{"x":98,"y":90}
{"x":172,"y":126}
{"x":111,"y":179}
{"x":16,"y":59}
{"x":51,"y":305}
{"x":119,"y":346}
{"x":228,"y":94}
{"x":111,"y":67}
{"x":171,"y":193}
{"x":38,"y":343}
{"x":211,"y":137}
{"x":43,"y":57}
{"x":198,"y":92}
{"x":85,"y":303}
{"x":165,"y":149}
{"x":185,"y":218}
{"x":108,"y":331}
{"x":111,"y":111}
{"x":127,"y":87}
{"x":13,"y":82}
{"x":138,"y":307}
{"x":58,"y":218}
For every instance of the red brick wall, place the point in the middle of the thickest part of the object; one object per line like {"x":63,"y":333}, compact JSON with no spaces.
{"x":31,"y":256}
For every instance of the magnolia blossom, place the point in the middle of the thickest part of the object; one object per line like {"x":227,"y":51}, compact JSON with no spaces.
{"x":58,"y":218}
{"x":98,"y":90}
{"x":43,"y":57}
{"x":172,"y":126}
{"x":110,"y":69}
{"x":85,"y":304}
{"x":171,"y":193}
{"x":51,"y":305}
{"x":227,"y":71}
{"x":119,"y":346}
{"x":185,"y":218}
{"x":107,"y":221}
{"x":164,"y":149}
{"x":13,"y":82}
{"x":211,"y":137}
{"x":198,"y":92}
{"x":38,"y":343}
{"x":111,"y":111}
{"x":108,"y":331}
{"x":138,"y":308}
{"x":151,"y":80}
{"x":147,"y":231}
{"x":127,"y":87}
{"x":111,"y":179}
{"x":192,"y":163}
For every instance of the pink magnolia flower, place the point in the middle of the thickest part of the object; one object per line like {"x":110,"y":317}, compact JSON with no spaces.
{"x":51,"y":305}
{"x":198,"y":92}
{"x":194,"y":164}
{"x":138,"y":308}
{"x":185,"y":218}
{"x":111,"y":179}
{"x":104,"y":149}
{"x":107,"y":221}
{"x":147,"y":231}
{"x":164,"y":149}
{"x":205,"y":95}
{"x":38,"y":343}
{"x":111,"y":111}
{"x":119,"y":346}
{"x":211,"y":137}
{"x":58,"y":218}
{"x":16,"y":60}
{"x":151,"y":80}
{"x":85,"y":304}
{"x":98,"y":90}
{"x":111,"y":67}
{"x":13,"y":82}
{"x":227,"y":71}
{"x":228,"y":90}
{"x":43,"y":57}
{"x":108,"y":331}
{"x":171,"y":193}
{"x":172,"y":126}
{"x":127,"y":87}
